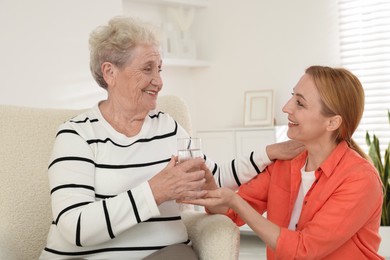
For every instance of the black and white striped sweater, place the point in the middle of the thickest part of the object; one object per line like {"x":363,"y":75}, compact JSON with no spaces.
{"x":103,"y":207}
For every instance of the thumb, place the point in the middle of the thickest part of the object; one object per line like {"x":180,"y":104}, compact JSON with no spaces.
{"x":172,"y":162}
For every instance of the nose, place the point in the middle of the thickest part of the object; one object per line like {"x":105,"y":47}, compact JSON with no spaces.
{"x":157,"y":80}
{"x":287,"y":107}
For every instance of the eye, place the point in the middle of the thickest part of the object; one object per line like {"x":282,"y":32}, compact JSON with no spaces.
{"x":299,"y":103}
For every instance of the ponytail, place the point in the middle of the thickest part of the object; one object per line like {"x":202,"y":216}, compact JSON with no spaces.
{"x":354,"y":146}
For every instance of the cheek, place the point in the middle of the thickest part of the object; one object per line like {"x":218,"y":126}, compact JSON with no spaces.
{"x":135,"y":84}
{"x":315,"y":125}
{"x":135,"y":76}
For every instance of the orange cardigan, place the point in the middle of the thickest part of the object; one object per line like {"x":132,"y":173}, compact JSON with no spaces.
{"x":341,"y":212}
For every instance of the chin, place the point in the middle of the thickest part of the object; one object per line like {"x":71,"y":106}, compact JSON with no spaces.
{"x":291,"y":136}
{"x":152,"y":106}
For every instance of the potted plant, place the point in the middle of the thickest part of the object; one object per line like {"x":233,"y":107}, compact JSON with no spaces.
{"x":382,"y":164}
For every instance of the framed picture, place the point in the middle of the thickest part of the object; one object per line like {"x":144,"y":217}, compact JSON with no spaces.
{"x":259,"y":108}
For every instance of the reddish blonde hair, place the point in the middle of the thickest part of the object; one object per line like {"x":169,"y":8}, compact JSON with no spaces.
{"x":341,"y":94}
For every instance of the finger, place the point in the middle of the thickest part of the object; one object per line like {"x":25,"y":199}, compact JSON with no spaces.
{"x":204,"y":167}
{"x":212,"y":194}
{"x":194,"y":186}
{"x":192,"y":195}
{"x":191,"y":163}
{"x":171,"y":162}
{"x":195,"y":175}
{"x":198,"y":202}
{"x":176,"y":158}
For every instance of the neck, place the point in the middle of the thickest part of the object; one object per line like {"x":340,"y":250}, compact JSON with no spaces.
{"x":127,"y":122}
{"x":317,"y":154}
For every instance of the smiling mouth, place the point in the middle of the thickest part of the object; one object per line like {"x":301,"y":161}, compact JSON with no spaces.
{"x":150,"y":92}
{"x":292,"y":123}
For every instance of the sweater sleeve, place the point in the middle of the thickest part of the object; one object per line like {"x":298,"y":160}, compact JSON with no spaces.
{"x":240,"y":170}
{"x":82,"y":218}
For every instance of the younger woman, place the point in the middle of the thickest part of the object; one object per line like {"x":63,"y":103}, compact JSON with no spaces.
{"x":326,"y":202}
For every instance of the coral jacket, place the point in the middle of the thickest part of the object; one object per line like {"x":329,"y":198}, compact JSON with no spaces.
{"x":341,"y":212}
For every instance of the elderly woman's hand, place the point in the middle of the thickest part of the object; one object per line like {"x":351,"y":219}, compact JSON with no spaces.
{"x":179,"y":181}
{"x":284,"y":150}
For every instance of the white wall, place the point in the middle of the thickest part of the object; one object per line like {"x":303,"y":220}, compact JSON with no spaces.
{"x":258,"y":44}
{"x":44,"y":51}
{"x":251,"y":45}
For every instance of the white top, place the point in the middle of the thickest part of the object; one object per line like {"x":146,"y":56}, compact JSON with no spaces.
{"x":307,"y":180}
{"x":102,"y":204}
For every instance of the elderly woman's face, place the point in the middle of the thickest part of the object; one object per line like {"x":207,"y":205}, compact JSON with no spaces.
{"x":138,"y":83}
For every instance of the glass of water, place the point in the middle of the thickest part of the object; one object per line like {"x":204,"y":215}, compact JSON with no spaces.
{"x":188,"y":148}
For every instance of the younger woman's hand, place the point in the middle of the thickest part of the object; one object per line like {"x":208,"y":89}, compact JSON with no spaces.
{"x":216,"y":200}
{"x":210,"y":183}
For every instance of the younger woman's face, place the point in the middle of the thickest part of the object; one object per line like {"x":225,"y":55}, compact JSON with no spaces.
{"x":306,"y":122}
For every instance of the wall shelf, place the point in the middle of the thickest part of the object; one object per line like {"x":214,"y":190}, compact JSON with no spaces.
{"x":179,"y":48}
{"x":186,"y":63}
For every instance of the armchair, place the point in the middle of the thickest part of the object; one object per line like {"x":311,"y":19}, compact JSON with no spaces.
{"x":26,"y":139}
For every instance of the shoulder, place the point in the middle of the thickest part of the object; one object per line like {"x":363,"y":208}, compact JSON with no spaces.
{"x":80,"y":123}
{"x":352,"y":160}
{"x":353,"y":168}
{"x":158,"y":118}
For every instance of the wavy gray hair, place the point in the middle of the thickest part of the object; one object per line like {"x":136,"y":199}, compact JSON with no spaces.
{"x":115,"y":41}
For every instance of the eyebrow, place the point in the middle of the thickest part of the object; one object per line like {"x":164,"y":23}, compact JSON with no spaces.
{"x":299,"y":95}
{"x":152,"y":62}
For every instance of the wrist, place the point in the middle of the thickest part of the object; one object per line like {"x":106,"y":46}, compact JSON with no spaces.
{"x":269,"y":152}
{"x":155,"y":192}
{"x":235,"y":202}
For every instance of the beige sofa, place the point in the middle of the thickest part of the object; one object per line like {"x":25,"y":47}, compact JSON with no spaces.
{"x":26,"y":139}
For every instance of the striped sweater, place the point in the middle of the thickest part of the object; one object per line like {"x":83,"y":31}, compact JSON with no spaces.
{"x":103,"y":207}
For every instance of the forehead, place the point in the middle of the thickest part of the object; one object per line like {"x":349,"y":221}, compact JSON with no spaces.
{"x":306,"y":88}
{"x":145,"y":53}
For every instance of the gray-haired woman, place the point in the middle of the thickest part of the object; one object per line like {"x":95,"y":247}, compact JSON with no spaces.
{"x":113,"y":175}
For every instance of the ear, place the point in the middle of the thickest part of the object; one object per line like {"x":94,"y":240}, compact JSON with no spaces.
{"x":108,"y":71}
{"x":334,"y":122}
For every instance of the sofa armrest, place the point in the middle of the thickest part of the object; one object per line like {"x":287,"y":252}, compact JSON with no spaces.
{"x":212,"y":236}
{"x":6,"y":247}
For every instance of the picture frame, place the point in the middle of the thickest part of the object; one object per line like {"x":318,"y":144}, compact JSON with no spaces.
{"x":259,"y":108}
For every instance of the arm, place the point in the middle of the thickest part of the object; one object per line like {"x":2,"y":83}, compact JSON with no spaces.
{"x":354,"y":206}
{"x":284,"y":150}
{"x":74,"y":205}
{"x":243,"y":169}
{"x":223,"y":200}
{"x":100,"y":218}
{"x":317,"y":236}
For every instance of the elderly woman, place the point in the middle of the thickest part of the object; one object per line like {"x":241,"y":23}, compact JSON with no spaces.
{"x":325,"y":203}
{"x":114,"y":182}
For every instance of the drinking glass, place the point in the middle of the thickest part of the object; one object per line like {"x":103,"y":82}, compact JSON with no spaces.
{"x":188,"y":148}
